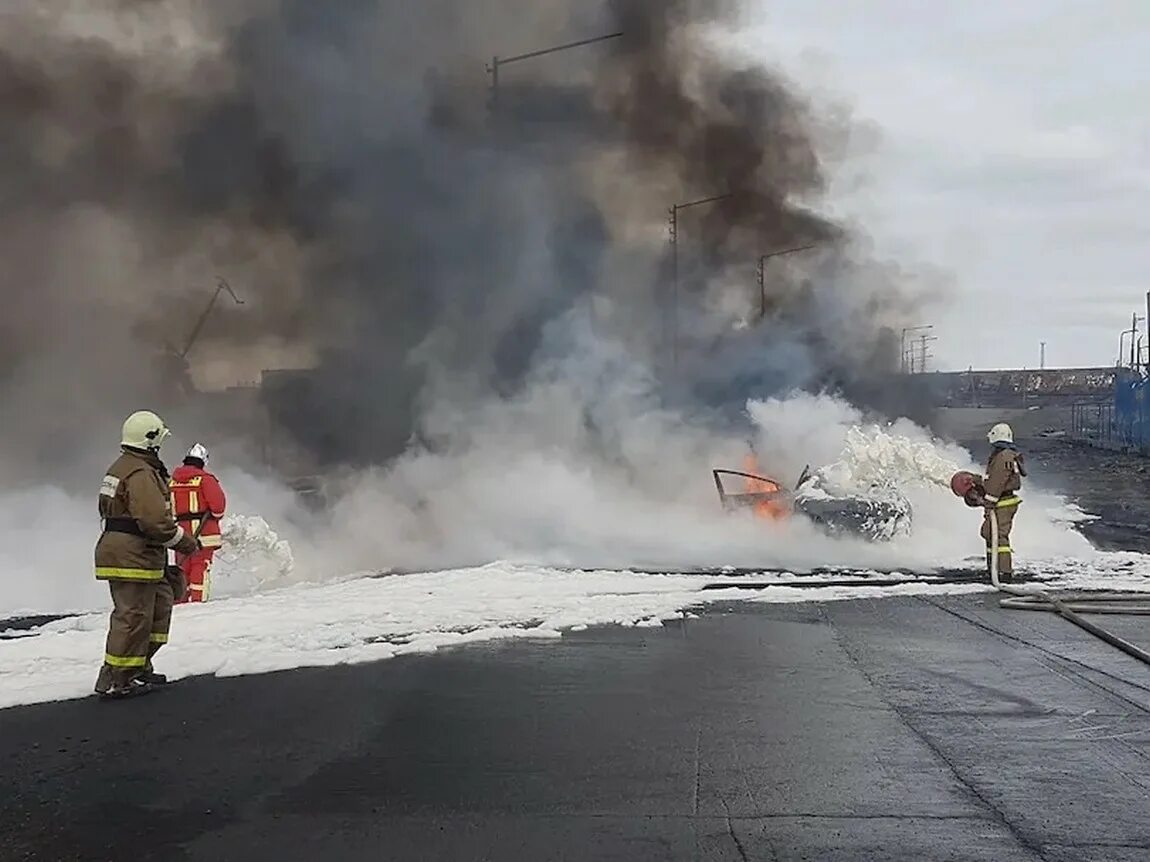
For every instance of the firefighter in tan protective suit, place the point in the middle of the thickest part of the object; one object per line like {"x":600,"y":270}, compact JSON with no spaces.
{"x":132,"y":556}
{"x":1004,"y":472}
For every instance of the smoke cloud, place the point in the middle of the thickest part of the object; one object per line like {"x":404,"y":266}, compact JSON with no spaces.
{"x":345,"y":167}
{"x":475,"y":280}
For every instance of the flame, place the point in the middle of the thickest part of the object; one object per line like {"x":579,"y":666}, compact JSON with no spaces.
{"x":773,"y":509}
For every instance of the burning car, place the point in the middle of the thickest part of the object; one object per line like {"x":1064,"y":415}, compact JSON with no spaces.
{"x":878,"y":513}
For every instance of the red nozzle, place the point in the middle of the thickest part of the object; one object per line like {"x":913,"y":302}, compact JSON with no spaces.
{"x":962,"y":483}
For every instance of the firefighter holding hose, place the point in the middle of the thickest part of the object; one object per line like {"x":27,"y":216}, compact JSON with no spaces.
{"x":1004,"y":472}
{"x":997,"y":494}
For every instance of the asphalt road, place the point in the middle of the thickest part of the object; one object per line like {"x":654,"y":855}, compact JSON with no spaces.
{"x":909,"y":729}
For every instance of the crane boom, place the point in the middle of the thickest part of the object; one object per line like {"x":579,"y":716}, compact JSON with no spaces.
{"x":221,"y":285}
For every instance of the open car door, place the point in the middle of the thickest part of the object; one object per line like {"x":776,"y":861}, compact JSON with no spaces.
{"x":763,"y":495}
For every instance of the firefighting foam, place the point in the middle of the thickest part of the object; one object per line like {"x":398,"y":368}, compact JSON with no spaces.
{"x":524,"y":490}
{"x":528,"y":488}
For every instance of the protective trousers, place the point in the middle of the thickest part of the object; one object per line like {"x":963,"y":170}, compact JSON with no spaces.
{"x":197,"y":569}
{"x":139,"y":625}
{"x":1004,"y":515}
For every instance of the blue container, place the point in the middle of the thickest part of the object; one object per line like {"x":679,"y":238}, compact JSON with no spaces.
{"x":1131,"y":423}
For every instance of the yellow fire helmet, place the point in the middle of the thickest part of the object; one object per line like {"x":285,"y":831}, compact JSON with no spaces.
{"x":144,"y":430}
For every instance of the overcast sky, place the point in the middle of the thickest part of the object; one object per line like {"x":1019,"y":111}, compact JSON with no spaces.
{"x":1013,"y":153}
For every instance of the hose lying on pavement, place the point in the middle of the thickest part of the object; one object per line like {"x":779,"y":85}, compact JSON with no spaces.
{"x":1070,"y":605}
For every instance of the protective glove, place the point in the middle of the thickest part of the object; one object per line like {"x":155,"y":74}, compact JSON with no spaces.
{"x":187,"y":545}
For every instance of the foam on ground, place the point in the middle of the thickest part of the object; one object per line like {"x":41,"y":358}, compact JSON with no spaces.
{"x":374,"y":618}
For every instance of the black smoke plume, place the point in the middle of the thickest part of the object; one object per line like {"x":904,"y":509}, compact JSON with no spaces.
{"x":344,"y":166}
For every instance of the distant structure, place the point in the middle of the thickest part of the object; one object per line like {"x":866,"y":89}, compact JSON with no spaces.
{"x":175,"y":372}
{"x":1013,"y":388}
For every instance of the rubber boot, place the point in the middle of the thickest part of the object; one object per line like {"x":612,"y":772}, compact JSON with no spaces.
{"x":134,"y":687}
{"x":149,"y":674}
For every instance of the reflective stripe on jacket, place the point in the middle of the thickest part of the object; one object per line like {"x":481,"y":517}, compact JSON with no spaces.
{"x":135,"y":488}
{"x":1003,"y":478}
{"x":198,"y":497}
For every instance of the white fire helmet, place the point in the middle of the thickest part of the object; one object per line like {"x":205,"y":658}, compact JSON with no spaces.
{"x":144,"y":430}
{"x":198,"y":450}
{"x":1001,"y":433}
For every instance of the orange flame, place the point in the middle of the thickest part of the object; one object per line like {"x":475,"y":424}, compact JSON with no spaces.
{"x":774,"y":509}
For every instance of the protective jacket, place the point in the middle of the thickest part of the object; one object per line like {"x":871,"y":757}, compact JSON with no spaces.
{"x":198,"y":497}
{"x":1004,"y":474}
{"x":137,"y":516}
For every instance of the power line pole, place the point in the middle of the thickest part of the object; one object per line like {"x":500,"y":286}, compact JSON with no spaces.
{"x":1042,"y":357}
{"x":498,"y":62}
{"x":1133,"y":349}
{"x":1132,"y":332}
{"x":924,"y":339}
{"x":673,"y":230}
{"x":907,"y":357}
{"x":762,"y":274}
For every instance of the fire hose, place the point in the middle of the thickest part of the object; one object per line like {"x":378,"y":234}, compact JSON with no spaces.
{"x":1071,"y":604}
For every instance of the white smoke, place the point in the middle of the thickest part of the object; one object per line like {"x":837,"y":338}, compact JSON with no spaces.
{"x":585,"y":469}
{"x":558,"y":477}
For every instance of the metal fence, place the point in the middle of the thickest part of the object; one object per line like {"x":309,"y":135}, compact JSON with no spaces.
{"x":1121,"y":423}
{"x":1093,"y":422}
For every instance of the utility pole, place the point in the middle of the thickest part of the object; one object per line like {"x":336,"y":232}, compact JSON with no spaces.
{"x":1042,"y":357}
{"x":924,"y":339}
{"x":493,"y":93}
{"x":497,"y":62}
{"x":762,"y":274}
{"x":907,"y":357}
{"x":673,"y":230}
{"x":1132,"y":332}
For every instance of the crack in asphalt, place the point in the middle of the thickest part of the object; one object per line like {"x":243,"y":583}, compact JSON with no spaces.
{"x":1052,"y":654}
{"x":698,"y":772}
{"x":902,"y":715}
{"x":734,"y":837}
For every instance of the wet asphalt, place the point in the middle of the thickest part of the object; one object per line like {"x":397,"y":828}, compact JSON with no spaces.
{"x":908,"y":729}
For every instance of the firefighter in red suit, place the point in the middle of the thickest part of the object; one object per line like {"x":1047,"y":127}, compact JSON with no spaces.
{"x":198,"y":503}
